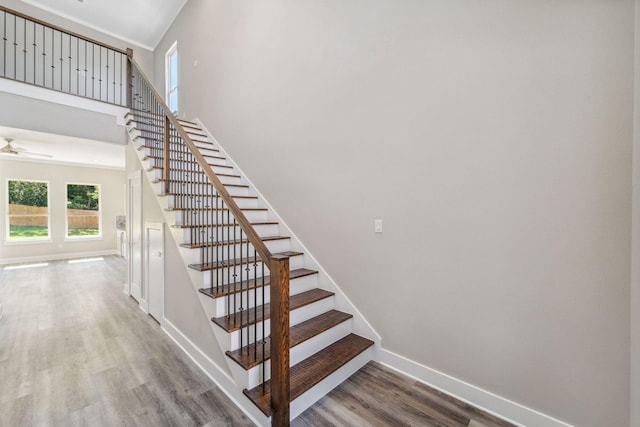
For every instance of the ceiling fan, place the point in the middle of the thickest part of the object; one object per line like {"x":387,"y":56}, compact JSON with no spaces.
{"x":17,"y":151}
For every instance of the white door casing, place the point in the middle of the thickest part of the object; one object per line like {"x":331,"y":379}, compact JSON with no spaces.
{"x":154,"y":270}
{"x":134,"y":224}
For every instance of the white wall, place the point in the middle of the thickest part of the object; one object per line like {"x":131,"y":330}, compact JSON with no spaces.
{"x":494,"y":138}
{"x":112,"y":199}
{"x":635,"y":253}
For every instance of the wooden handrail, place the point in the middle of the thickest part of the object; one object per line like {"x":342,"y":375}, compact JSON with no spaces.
{"x":62,"y":30}
{"x":252,"y":236}
{"x":278,"y":264}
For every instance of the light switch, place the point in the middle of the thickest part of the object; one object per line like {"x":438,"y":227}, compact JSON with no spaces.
{"x":377,"y":226}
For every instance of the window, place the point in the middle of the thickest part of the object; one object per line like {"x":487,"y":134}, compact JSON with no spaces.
{"x":83,"y":211}
{"x":28,"y":210}
{"x":171,"y":74}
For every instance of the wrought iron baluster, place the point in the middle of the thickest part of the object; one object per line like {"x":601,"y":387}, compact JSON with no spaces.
{"x":264,"y":338}
{"x":4,"y":41}
{"x":15,"y":46}
{"x":70,"y":65}
{"x":24,"y":50}
{"x":35,"y":47}
{"x":61,"y":63}
{"x":255,"y":307}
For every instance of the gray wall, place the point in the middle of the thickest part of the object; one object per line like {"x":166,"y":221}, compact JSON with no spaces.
{"x":112,"y":198}
{"x":494,"y":138}
{"x":143,"y":56}
{"x":635,"y":272}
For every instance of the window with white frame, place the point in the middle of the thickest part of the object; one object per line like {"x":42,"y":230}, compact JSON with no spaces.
{"x":83,"y":211}
{"x":27,"y":210}
{"x":171,"y":75}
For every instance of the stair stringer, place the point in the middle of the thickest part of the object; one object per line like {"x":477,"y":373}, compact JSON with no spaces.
{"x":341,"y":301}
{"x":224,"y":379}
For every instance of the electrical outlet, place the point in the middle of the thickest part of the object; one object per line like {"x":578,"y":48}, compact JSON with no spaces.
{"x":377,"y":226}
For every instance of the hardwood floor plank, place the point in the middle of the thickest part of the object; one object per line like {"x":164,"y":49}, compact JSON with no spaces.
{"x":76,"y":351}
{"x":379,"y":396}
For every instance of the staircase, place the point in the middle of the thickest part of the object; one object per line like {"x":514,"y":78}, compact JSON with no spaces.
{"x":237,"y":286}
{"x":289,"y":333}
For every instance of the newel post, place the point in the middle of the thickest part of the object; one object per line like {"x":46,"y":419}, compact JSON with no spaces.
{"x":129,"y":79}
{"x":280,"y":385}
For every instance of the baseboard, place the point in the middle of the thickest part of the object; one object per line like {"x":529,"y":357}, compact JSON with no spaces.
{"x":55,"y":257}
{"x":217,"y":375}
{"x":485,"y":400}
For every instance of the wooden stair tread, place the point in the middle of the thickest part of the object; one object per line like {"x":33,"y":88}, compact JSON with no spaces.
{"x":198,"y":171}
{"x":160,"y":146}
{"x":210,"y":156}
{"x":224,"y":290}
{"x":223,"y":224}
{"x":184,"y":161}
{"x":187,"y":121}
{"x":173,"y":159}
{"x":190,"y":125}
{"x":226,"y":184}
{"x":238,"y":261}
{"x":312,"y":370}
{"x":213,"y":209}
{"x":250,"y":316}
{"x":231,"y":242}
{"x":251,"y":355}
{"x":208,"y":195}
{"x":189,"y":132}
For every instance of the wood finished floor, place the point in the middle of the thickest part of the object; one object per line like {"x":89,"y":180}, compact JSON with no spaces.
{"x":75,"y":351}
{"x":379,"y":396}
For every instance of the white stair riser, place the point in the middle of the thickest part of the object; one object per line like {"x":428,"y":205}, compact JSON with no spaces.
{"x":253,"y":377}
{"x":262,"y":230}
{"x":226,"y":273}
{"x":217,"y":165}
{"x":206,"y":189}
{"x":188,"y":203}
{"x":197,"y":177}
{"x":296,"y":316}
{"x":150,"y":147}
{"x":217,"y":216}
{"x":219,"y":305}
{"x":235,"y":251}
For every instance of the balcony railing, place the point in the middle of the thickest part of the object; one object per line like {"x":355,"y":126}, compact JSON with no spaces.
{"x":41,"y":54}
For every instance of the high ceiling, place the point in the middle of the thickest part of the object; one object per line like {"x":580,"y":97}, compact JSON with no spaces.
{"x":63,"y":149}
{"x":142,"y":22}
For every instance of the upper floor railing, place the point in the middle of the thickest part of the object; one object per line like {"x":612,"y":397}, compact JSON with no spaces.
{"x":41,"y":54}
